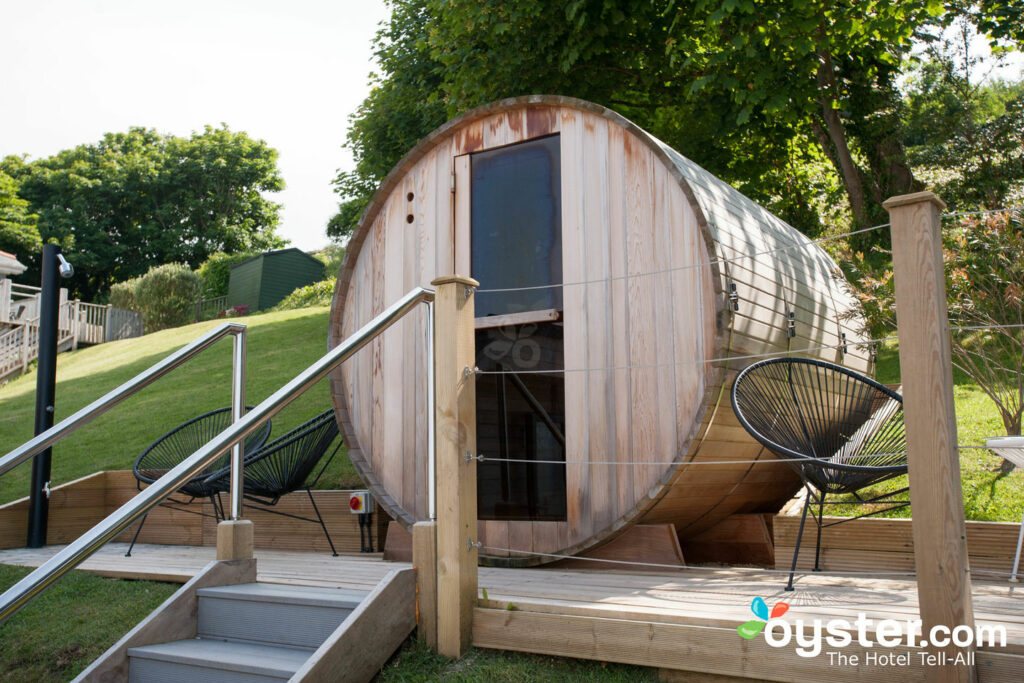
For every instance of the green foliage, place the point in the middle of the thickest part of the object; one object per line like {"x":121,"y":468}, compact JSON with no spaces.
{"x":967,"y":137}
{"x":59,"y":633}
{"x":18,"y":232}
{"x":331,"y":257}
{"x":122,"y":294}
{"x":215,"y":273}
{"x":139,"y":198}
{"x":166,"y":295}
{"x":985,"y":288}
{"x":765,"y":95}
{"x":316,"y":294}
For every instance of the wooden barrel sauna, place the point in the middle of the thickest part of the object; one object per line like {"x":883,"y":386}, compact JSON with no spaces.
{"x":634,"y":286}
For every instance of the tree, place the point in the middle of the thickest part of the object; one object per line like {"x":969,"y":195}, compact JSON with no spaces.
{"x":965,"y":133}
{"x":18,"y":232}
{"x":440,"y":58}
{"x":138,"y":199}
{"x":763,"y":94}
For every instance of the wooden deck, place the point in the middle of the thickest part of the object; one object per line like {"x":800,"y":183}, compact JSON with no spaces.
{"x":684,"y":620}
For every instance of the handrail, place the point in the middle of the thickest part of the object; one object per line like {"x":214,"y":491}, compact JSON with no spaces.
{"x":119,"y":520}
{"x":115,"y":396}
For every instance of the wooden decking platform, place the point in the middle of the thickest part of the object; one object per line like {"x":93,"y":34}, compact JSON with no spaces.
{"x":682,"y":620}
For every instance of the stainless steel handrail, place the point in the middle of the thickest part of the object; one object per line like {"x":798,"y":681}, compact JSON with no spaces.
{"x":119,"y":520}
{"x":115,"y":396}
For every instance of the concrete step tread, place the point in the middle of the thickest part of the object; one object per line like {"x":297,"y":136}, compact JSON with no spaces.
{"x":265,"y":660}
{"x":288,"y":595}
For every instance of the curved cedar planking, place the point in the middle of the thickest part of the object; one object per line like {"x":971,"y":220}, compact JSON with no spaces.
{"x":630,"y":206}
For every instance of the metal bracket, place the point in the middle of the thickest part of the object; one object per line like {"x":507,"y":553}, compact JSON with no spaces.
{"x":470,"y":457}
{"x":842,"y":348}
{"x":46,"y":490}
{"x":468,"y":372}
{"x":791,"y":323}
{"x":467,"y":291}
{"x":734,"y":297}
{"x":470,"y":544}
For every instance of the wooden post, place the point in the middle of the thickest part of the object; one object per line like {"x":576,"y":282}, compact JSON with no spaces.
{"x":455,"y":411}
{"x":5,"y":300}
{"x":76,"y":323}
{"x":940,"y":546}
{"x":235,"y":539}
{"x":424,"y":561}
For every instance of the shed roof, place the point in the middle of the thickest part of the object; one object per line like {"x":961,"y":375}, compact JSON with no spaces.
{"x":10,"y":265}
{"x":273,"y":252}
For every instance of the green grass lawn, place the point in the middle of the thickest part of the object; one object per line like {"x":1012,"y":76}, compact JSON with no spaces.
{"x":279,"y":346}
{"x":59,"y":633}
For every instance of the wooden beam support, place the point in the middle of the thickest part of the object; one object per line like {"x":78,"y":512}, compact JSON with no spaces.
{"x":424,"y":561}
{"x":455,"y":410}
{"x":940,"y":546}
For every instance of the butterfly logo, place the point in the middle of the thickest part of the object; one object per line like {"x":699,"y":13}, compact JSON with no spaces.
{"x":760,"y":609}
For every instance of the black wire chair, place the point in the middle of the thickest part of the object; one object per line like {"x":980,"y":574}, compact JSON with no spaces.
{"x":840,"y":431}
{"x":284,"y":465}
{"x":173,"y":447}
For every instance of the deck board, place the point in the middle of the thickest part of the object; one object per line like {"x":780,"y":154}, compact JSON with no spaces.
{"x":700,"y":598}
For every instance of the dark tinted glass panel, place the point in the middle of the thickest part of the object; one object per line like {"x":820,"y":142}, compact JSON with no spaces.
{"x":522,"y":417}
{"x":517,"y":226}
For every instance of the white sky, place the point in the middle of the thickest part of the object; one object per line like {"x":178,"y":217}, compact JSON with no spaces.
{"x":285,"y":71}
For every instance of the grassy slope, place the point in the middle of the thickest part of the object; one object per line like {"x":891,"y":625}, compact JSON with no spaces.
{"x":279,"y":346}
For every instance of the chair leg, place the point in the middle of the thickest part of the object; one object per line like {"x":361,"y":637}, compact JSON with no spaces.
{"x":799,"y":537}
{"x":321,"y":520}
{"x":817,"y":547}
{"x":138,"y":529}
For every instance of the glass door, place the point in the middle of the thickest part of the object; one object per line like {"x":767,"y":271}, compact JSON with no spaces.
{"x":514,"y":243}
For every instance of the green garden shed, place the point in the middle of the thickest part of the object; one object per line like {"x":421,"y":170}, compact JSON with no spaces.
{"x":264,"y":280}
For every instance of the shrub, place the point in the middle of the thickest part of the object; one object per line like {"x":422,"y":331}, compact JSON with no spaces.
{"x":331,"y":256}
{"x":122,"y":294}
{"x":316,"y":294}
{"x":166,"y":296}
{"x":215,"y":272}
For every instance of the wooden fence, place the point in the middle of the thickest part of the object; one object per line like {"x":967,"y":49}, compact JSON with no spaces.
{"x":77,"y":506}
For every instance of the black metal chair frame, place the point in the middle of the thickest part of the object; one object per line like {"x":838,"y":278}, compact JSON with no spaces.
{"x":265,"y":499}
{"x":195,"y":487}
{"x":807,"y":465}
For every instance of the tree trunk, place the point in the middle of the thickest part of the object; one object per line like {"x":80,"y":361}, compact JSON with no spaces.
{"x":837,"y":136}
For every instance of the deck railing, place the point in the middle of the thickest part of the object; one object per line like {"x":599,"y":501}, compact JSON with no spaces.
{"x":209,"y":308}
{"x":78,"y":323}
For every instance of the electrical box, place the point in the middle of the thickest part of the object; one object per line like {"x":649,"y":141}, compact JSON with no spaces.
{"x":360,"y":502}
